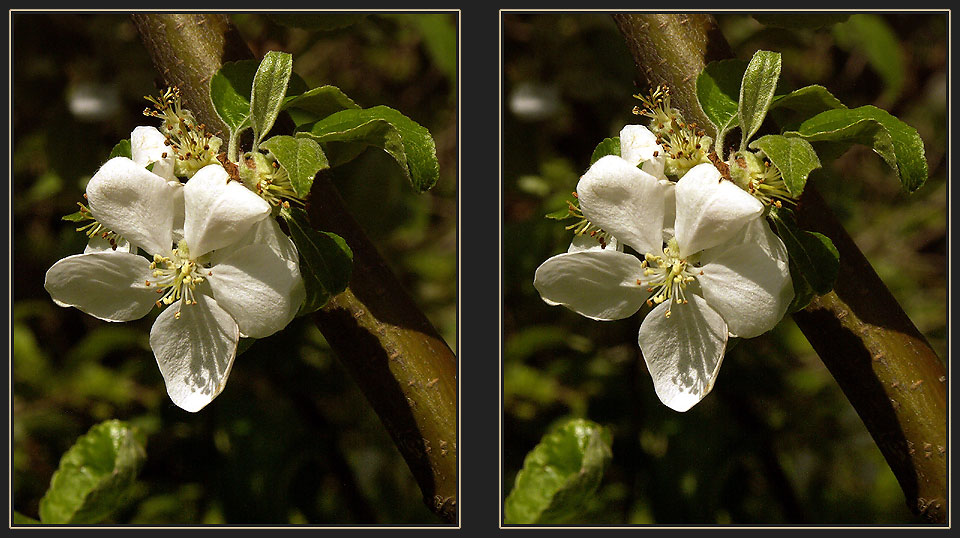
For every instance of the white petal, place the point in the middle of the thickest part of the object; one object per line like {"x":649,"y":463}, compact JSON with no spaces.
{"x":99,"y":244}
{"x":257,"y":287}
{"x":683,"y":352}
{"x":146,"y":146}
{"x":195,"y":353}
{"x":580,"y":243}
{"x":218,"y":211}
{"x":107,"y":285}
{"x":133,"y":202}
{"x":710,"y":210}
{"x":655,"y":166}
{"x":625,"y":201}
{"x":748,"y":283}
{"x":598,"y":284}
{"x":178,"y":211}
{"x":638,"y":144}
{"x":266,"y":232}
{"x":670,"y":209}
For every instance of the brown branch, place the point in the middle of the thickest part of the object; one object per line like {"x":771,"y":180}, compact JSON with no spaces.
{"x":392,"y":351}
{"x":884,"y":366}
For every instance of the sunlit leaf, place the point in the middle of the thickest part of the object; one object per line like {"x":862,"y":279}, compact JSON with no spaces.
{"x":794,"y":157}
{"x":609,"y":146}
{"x":269,"y":89}
{"x":302,"y":158}
{"x":756,"y":92}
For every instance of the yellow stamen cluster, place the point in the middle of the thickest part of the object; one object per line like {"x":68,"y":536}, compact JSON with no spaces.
{"x":193,"y":146}
{"x":271,"y":182}
{"x":684,"y":145}
{"x":769,"y":188}
{"x":667,"y":276}
{"x":176,"y":277}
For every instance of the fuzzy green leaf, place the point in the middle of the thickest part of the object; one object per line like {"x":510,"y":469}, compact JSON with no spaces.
{"x":95,"y":475}
{"x":560,"y":475}
{"x":817,"y":260}
{"x":896,"y":142}
{"x":409,"y":143}
{"x":325,"y":260}
{"x":794,"y":157}
{"x":230,"y":90}
{"x":609,"y":146}
{"x":799,"y":105}
{"x":756,"y":92}
{"x":302,"y":158}
{"x":269,"y":89}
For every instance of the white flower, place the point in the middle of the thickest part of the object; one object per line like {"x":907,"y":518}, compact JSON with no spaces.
{"x":722,"y":273}
{"x":219,"y":283}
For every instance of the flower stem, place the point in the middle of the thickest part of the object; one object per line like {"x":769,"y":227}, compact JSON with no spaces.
{"x":883,"y":364}
{"x":397,"y":358}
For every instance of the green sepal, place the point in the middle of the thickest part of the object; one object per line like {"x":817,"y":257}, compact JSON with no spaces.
{"x":325,"y":260}
{"x":560,"y":476}
{"x":794,"y":157}
{"x":609,"y":146}
{"x":95,"y":475}
{"x":302,"y":158}
{"x":409,"y":143}
{"x":816,"y":258}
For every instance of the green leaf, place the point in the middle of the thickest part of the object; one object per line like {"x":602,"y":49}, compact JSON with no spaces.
{"x":122,"y":149}
{"x":20,"y":519}
{"x":794,"y":157}
{"x":230,"y":90}
{"x":409,"y":143}
{"x":318,"y":22}
{"x":718,"y":90}
{"x":320,"y":102}
{"x":325,"y":260}
{"x":871,"y":35}
{"x":793,"y":108}
{"x":95,"y":475}
{"x":269,"y":89}
{"x":560,"y":475}
{"x":817,"y":260}
{"x":796,"y":21}
{"x":756,"y":92}
{"x":802,"y":292}
{"x":302,"y":158}
{"x":896,"y":142}
{"x":609,"y":146}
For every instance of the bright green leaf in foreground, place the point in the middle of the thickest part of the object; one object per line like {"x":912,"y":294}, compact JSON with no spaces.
{"x":319,"y":102}
{"x":609,"y":146}
{"x":302,"y":158}
{"x":560,"y":475}
{"x":794,"y":157}
{"x":269,"y":89}
{"x":325,"y":260}
{"x":793,"y":108}
{"x":899,"y":144}
{"x":409,"y":143}
{"x":756,"y":92}
{"x":94,"y":475}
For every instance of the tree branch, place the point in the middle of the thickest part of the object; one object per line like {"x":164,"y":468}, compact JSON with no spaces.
{"x":392,"y":351}
{"x":884,"y":366}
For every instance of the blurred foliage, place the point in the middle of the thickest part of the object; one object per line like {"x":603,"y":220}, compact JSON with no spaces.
{"x":291,"y":439}
{"x":776,"y":441}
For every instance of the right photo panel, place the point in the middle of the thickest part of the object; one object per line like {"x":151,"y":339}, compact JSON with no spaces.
{"x":724,"y":269}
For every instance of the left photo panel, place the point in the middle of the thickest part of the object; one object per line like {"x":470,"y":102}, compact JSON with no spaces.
{"x":234,"y":269}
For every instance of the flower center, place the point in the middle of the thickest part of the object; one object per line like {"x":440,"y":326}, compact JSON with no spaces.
{"x":177,"y":276}
{"x":667,"y":275}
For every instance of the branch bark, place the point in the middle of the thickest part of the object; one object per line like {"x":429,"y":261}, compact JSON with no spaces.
{"x":883,"y":364}
{"x":394,"y":354}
